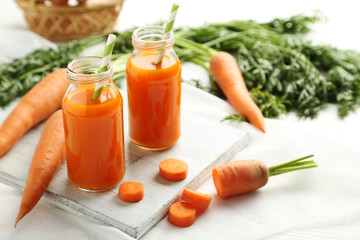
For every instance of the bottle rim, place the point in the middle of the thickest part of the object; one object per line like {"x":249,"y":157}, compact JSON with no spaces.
{"x":152,"y":37}
{"x":76,"y":67}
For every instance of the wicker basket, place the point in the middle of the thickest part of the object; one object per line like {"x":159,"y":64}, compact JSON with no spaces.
{"x":65,"y":22}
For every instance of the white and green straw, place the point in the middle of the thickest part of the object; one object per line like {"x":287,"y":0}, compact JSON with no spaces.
{"x":105,"y":63}
{"x":168,"y":28}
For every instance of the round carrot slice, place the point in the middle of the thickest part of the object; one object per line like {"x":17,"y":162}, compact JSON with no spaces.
{"x":199,"y":200}
{"x":131,"y":192}
{"x":173,"y":169}
{"x":182,"y":214}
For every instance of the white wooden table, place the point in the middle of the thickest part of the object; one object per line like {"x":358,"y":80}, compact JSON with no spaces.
{"x":321,"y":203}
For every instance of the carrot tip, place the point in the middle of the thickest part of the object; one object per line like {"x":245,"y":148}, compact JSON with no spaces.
{"x":18,"y":218}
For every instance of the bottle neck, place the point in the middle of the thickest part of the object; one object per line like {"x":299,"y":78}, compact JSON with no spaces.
{"x":152,"y":38}
{"x":85,"y":70}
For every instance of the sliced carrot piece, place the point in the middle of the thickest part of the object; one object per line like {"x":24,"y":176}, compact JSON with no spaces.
{"x":131,"y":192}
{"x":182,"y":214}
{"x":198,"y":200}
{"x":173,"y":169}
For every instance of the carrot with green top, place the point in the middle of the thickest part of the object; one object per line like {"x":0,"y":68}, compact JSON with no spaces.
{"x":35,"y":106}
{"x":245,"y":176}
{"x":226,"y":72}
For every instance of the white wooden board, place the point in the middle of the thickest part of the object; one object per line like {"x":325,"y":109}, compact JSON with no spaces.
{"x":203,"y":144}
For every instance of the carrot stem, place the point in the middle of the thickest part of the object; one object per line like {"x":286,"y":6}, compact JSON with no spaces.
{"x":223,"y":38}
{"x":200,"y":62}
{"x":195,"y":47}
{"x":294,"y":165}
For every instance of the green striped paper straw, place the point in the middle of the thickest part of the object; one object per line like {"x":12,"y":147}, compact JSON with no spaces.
{"x":105,"y":63}
{"x":168,"y":28}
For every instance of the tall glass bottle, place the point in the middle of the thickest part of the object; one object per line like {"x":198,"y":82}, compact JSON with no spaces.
{"x":154,"y":90}
{"x":94,"y":134}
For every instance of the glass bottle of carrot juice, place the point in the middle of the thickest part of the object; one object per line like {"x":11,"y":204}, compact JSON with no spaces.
{"x":94,"y":134}
{"x":154,"y":90}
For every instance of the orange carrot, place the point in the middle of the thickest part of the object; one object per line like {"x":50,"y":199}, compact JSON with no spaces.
{"x":48,"y":156}
{"x":173,"y":169}
{"x":131,"y":192}
{"x":226,"y":72}
{"x":35,"y":106}
{"x":239,"y":177}
{"x":245,"y":176}
{"x":199,"y":200}
{"x":182,"y":214}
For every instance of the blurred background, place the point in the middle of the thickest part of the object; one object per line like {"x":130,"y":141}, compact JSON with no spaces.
{"x":340,"y":29}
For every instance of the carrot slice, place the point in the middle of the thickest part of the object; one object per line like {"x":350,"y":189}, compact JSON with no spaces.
{"x":198,"y":200}
{"x":131,"y":192}
{"x":173,"y":169}
{"x":182,"y":214}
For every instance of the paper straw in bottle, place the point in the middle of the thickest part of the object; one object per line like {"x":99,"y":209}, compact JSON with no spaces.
{"x":168,"y":28}
{"x":105,"y":63}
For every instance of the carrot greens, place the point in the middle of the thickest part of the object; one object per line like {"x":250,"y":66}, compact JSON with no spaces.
{"x":18,"y":76}
{"x":294,"y":165}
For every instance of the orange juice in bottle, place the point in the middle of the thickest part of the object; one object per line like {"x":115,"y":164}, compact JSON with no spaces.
{"x":94,"y":134}
{"x":154,"y":90}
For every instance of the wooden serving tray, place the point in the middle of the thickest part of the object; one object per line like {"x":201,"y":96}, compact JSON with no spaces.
{"x":203,"y":144}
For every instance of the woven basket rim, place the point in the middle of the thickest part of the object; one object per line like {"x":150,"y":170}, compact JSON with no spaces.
{"x":27,"y":5}
{"x":63,"y":23}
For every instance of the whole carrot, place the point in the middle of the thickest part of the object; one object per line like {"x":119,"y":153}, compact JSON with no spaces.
{"x":35,"y":106}
{"x":226,"y":72}
{"x":245,"y":176}
{"x":49,"y":154}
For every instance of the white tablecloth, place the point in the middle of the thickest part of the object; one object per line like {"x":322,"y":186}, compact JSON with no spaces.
{"x":321,"y":203}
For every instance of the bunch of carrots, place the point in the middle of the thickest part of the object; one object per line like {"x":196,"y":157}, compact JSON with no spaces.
{"x":44,"y":101}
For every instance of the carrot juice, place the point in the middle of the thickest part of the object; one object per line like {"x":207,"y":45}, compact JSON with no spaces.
{"x":94,"y":135}
{"x":154,"y":94}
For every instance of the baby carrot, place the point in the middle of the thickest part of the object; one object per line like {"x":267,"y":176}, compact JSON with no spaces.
{"x":131,"y":192}
{"x":49,"y":154}
{"x":173,"y":169}
{"x":35,"y":106}
{"x":199,"y":200}
{"x":182,"y":214}
{"x":226,"y":72}
{"x":245,"y":176}
{"x":239,"y":177}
